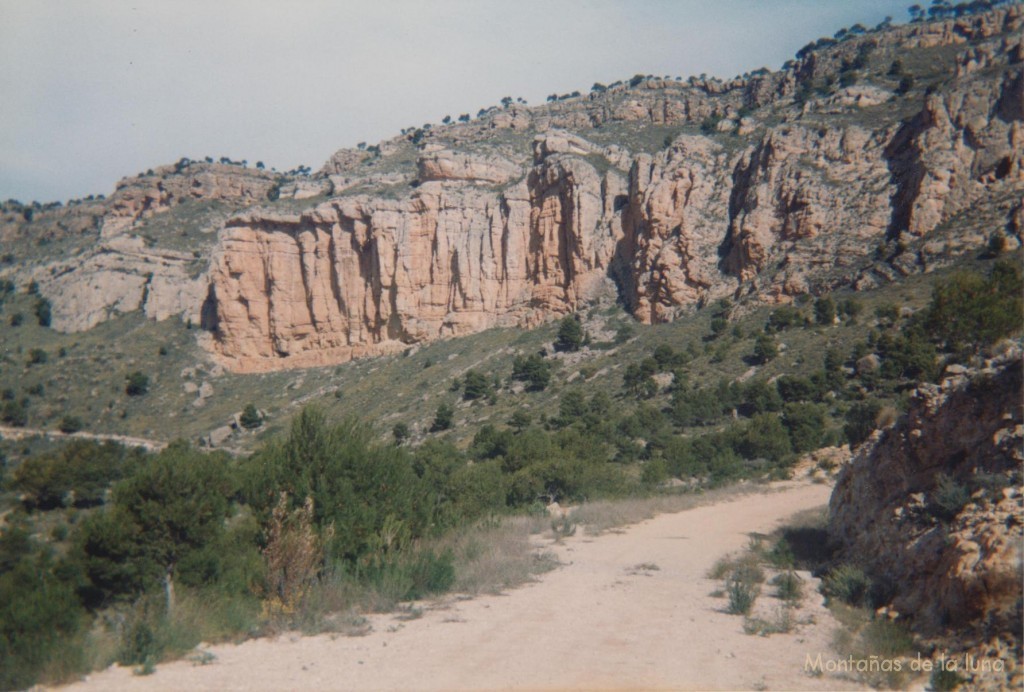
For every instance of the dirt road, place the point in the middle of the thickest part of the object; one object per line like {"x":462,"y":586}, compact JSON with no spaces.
{"x":21,"y":433}
{"x":630,"y":610}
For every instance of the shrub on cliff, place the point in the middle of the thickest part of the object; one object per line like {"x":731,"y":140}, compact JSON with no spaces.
{"x":533,"y":370}
{"x":861,"y":421}
{"x":138,"y":384}
{"x":765,"y":349}
{"x":948,"y":498}
{"x":848,"y":584}
{"x":475,"y":386}
{"x":43,"y":312}
{"x":570,"y":334}
{"x":969,"y":311}
{"x":250,"y":418}
{"x":442,"y":418}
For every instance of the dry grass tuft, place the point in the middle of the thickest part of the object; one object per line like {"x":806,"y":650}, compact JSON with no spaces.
{"x":605,"y":515}
{"x":497,"y":554}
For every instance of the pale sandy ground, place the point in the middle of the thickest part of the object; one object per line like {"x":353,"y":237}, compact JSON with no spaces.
{"x":596,"y":623}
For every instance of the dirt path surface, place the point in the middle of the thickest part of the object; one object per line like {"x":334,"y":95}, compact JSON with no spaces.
{"x":22,"y":433}
{"x":608,"y":619}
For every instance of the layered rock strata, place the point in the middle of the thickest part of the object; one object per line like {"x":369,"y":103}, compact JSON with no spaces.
{"x":828,"y":173}
{"x":368,"y":275}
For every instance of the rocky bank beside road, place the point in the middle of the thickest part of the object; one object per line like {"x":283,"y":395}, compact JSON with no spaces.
{"x":934,"y":511}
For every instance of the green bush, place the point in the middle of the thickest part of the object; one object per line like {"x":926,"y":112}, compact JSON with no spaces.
{"x":475,"y":386}
{"x":37,"y":356}
{"x":908,"y":355}
{"x":788,"y":586}
{"x":411,"y":576}
{"x":356,"y":483}
{"x":15,"y":413}
{"x":824,"y":311}
{"x":570,"y":334}
{"x":654,"y":472}
{"x":533,"y":370}
{"x":138,"y":384}
{"x":443,"y":418}
{"x":638,"y":380}
{"x":759,"y":396}
{"x":942,"y":680}
{"x":477,"y":490}
{"x":623,"y":334}
{"x":764,"y":437}
{"x":848,"y":584}
{"x":797,"y":388}
{"x":765,"y":348}
{"x":742,"y":595}
{"x":250,"y":418}
{"x":806,"y":425}
{"x":164,"y":516}
{"x":667,"y":358}
{"x":783,"y":318}
{"x":969,"y":311}
{"x":43,"y":312}
{"x":39,"y":613}
{"x":79,"y":473}
{"x":948,"y":498}
{"x":861,"y":421}
{"x":70,"y":424}
{"x":520,"y":420}
{"x":400,"y":432}
{"x":886,"y":638}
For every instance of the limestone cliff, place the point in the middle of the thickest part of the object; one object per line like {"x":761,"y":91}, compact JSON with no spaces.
{"x":365,"y":275}
{"x":933,"y":508}
{"x":790,"y":186}
{"x":112,"y":262}
{"x":890,"y":152}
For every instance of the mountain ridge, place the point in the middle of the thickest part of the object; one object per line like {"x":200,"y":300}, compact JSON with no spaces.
{"x":663,"y":194}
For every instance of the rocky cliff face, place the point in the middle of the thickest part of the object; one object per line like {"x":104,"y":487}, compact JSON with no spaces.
{"x":879,"y":156}
{"x":142,"y":197}
{"x":116,"y":263}
{"x":367,"y":275}
{"x":933,"y":507}
{"x":778,"y":194}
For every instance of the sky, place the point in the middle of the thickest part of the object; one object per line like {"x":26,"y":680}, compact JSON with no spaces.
{"x":95,"y":90}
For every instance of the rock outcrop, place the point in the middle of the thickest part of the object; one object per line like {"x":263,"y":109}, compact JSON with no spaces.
{"x":933,"y":508}
{"x":119,"y":271}
{"x":834,"y":171}
{"x":452,"y":165}
{"x":362,"y":275}
{"x":145,"y":195}
{"x":122,"y":275}
{"x":471,"y":243}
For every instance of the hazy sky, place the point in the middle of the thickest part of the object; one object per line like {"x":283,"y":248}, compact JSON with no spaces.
{"x":94,"y":90}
